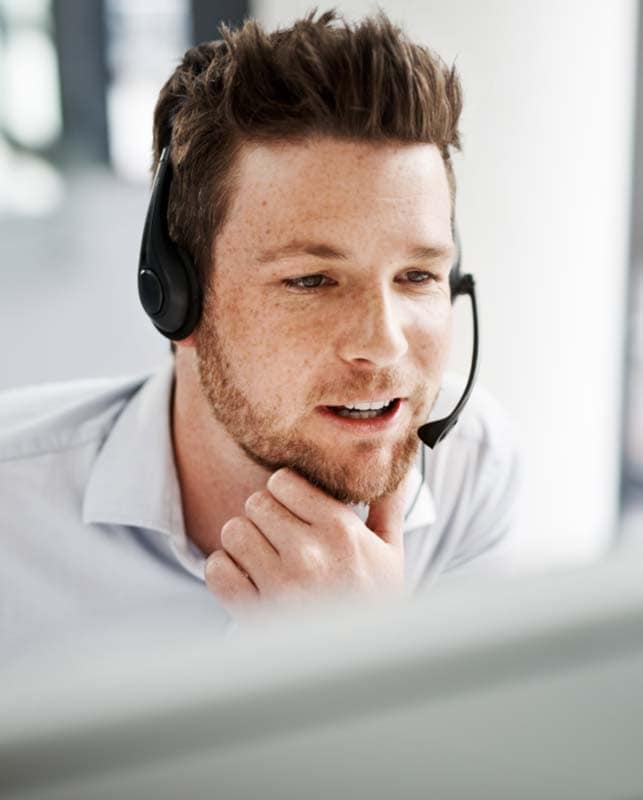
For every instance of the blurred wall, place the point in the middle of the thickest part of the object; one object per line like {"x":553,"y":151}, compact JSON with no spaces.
{"x":543,"y":210}
{"x":68,"y":302}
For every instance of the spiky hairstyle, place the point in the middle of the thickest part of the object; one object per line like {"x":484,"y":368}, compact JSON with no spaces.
{"x":322,"y":76}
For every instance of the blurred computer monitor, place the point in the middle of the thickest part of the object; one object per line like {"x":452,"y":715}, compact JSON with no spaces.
{"x":477,"y":689}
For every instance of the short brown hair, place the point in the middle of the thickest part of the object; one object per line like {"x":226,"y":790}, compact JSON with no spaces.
{"x":322,"y":76}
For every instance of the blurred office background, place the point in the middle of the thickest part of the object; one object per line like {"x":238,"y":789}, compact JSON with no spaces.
{"x":550,"y":209}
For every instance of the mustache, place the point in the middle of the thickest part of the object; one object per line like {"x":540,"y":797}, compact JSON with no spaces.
{"x":389,"y":383}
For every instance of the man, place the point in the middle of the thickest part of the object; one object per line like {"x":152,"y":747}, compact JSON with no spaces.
{"x":277,"y":456}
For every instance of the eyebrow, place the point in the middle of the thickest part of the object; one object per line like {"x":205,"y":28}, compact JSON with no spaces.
{"x":427,"y":252}
{"x":330,"y":252}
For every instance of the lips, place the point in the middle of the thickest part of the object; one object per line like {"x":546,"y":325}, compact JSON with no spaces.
{"x":362,"y":410}
{"x":363,"y":422}
{"x":380,"y":400}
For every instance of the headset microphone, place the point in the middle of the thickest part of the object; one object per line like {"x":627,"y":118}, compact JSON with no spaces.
{"x":170,"y":291}
{"x":433,"y":432}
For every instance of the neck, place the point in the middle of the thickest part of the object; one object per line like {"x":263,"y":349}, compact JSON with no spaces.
{"x":215,"y":475}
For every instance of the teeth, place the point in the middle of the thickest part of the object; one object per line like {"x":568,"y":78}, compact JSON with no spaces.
{"x":363,"y":410}
{"x":344,"y":412}
{"x":368,"y":406}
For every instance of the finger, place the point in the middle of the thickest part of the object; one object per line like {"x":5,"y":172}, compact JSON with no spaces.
{"x":278,"y":524}
{"x":228,"y":582}
{"x":386,"y":515}
{"x":306,"y":501}
{"x":251,"y":550}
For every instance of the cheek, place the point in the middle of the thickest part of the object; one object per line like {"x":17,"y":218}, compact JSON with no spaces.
{"x":432,"y":336}
{"x":270,"y":353}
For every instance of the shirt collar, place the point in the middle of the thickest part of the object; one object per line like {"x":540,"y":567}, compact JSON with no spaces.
{"x":134,"y":481}
{"x":420,"y":510}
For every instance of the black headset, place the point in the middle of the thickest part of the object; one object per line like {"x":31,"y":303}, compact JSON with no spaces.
{"x":170,"y":291}
{"x":168,"y":285}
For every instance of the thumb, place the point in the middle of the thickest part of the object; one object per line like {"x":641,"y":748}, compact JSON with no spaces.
{"x":386,"y":514}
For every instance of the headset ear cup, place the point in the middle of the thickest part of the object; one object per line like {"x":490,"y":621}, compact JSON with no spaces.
{"x":191,"y":311}
{"x":170,"y":292}
{"x":454,"y":282}
{"x":168,"y":283}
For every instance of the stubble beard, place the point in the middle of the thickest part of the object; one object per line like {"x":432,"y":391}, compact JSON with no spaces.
{"x":267,"y":443}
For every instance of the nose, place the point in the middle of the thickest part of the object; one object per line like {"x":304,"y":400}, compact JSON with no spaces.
{"x":372,"y":331}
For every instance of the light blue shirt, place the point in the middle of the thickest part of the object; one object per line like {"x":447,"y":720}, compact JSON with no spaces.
{"x":91,"y":523}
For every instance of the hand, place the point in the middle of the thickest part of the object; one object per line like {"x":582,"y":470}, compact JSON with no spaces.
{"x":295,"y":541}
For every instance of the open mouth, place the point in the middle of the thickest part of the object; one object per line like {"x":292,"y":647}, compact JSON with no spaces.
{"x":359,"y":412}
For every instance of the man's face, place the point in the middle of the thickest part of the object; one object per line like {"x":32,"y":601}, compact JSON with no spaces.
{"x":330,"y":287}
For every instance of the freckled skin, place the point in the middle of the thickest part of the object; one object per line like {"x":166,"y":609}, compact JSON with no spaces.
{"x":268,"y":356}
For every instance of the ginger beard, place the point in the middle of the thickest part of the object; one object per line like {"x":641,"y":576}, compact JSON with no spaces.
{"x":261,"y":435}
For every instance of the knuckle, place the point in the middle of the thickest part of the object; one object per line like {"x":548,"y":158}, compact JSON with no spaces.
{"x":232,"y":532}
{"x":278,"y":479}
{"x":216,"y":561}
{"x":220,"y":575}
{"x":351,"y":533}
{"x":352,"y":523}
{"x":311,"y":558}
{"x":347,"y":544}
{"x":217,"y":568}
{"x":257,"y":500}
{"x":341,"y":519}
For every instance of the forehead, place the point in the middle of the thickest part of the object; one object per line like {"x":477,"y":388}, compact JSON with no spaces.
{"x":350,"y":189}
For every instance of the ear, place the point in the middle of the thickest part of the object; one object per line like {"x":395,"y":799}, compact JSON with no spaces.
{"x":189,"y":341}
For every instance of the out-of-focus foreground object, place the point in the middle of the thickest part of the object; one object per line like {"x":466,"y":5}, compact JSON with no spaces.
{"x":529,"y":689}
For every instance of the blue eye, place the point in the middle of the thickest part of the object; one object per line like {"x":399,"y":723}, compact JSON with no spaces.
{"x":306,"y":282}
{"x":419,"y":276}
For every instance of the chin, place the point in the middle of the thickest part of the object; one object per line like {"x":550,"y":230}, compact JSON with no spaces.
{"x":362,"y":477}
{"x":352,"y":491}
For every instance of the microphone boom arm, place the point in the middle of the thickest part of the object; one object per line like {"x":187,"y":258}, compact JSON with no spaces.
{"x":433,"y":432}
